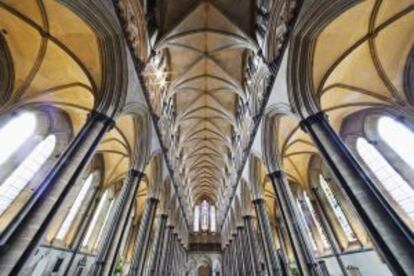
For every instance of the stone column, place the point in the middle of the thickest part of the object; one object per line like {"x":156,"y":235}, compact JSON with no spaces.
{"x":252,"y":246}
{"x":144,"y":232}
{"x":51,"y":193}
{"x":161,"y":268}
{"x":294,"y":222}
{"x":224,"y":258}
{"x":246,"y":252}
{"x":391,"y":236}
{"x":158,"y":245}
{"x":174,"y":255}
{"x":112,"y":235}
{"x":234,"y":260}
{"x":240,"y":250}
{"x":272,"y":262}
{"x":170,"y":251}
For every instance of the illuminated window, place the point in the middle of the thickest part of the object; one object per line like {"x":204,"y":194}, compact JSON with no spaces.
{"x":398,"y":137}
{"x":302,"y":213}
{"x":205,"y":208}
{"x":96,"y":215}
{"x":196,"y":221}
{"x":392,"y":181}
{"x":213,"y":226}
{"x":21,"y":176}
{"x":105,"y":222}
{"x":337,"y":209}
{"x":15,"y":133}
{"x":74,"y":209}
{"x":316,"y":221}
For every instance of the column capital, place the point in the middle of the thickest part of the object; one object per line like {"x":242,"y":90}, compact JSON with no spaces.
{"x":100,"y":117}
{"x":258,"y":201}
{"x":135,"y":173}
{"x":276,"y":174}
{"x":153,"y":200}
{"x":314,"y":118}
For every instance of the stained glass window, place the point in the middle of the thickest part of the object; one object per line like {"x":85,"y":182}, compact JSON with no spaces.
{"x":205,"y":208}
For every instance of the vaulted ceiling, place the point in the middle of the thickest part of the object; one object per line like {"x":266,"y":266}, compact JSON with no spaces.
{"x":198,"y":72}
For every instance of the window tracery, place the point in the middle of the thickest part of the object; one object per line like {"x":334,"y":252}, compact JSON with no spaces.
{"x":205,"y":217}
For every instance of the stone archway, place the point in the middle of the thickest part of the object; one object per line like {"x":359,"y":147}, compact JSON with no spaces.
{"x":204,"y":270}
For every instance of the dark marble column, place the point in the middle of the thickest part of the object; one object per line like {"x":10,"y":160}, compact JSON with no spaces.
{"x":246,"y":252}
{"x":158,"y":244}
{"x":225,"y":261}
{"x":144,"y":232}
{"x":235,"y":258}
{"x":296,"y":226}
{"x":272,"y":262}
{"x":252,"y":246}
{"x":240,"y":251}
{"x":170,"y":251}
{"x":116,"y":224}
{"x":391,"y":236}
{"x":161,"y":269}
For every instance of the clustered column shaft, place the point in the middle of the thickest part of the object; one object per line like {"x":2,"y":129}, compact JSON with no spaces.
{"x":272,"y":261}
{"x":295,"y":225}
{"x":118,"y":217}
{"x":141,"y":245}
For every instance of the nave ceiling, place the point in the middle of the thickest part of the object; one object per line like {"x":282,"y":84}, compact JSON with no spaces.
{"x":197,"y":87}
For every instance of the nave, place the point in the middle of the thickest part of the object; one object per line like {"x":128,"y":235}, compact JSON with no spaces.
{"x":207,"y":137}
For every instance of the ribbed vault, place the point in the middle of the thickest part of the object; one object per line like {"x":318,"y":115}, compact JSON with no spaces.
{"x":198,"y":71}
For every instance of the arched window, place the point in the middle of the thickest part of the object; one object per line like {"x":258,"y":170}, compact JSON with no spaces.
{"x":398,"y":137}
{"x":97,"y":216}
{"x":337,"y":209}
{"x":398,"y":189}
{"x":196,"y":221}
{"x":15,"y":133}
{"x":311,"y":238}
{"x":21,"y":176}
{"x":205,"y":210}
{"x":213,"y":225}
{"x":74,"y":209}
{"x":104,"y":224}
{"x":316,"y":221}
